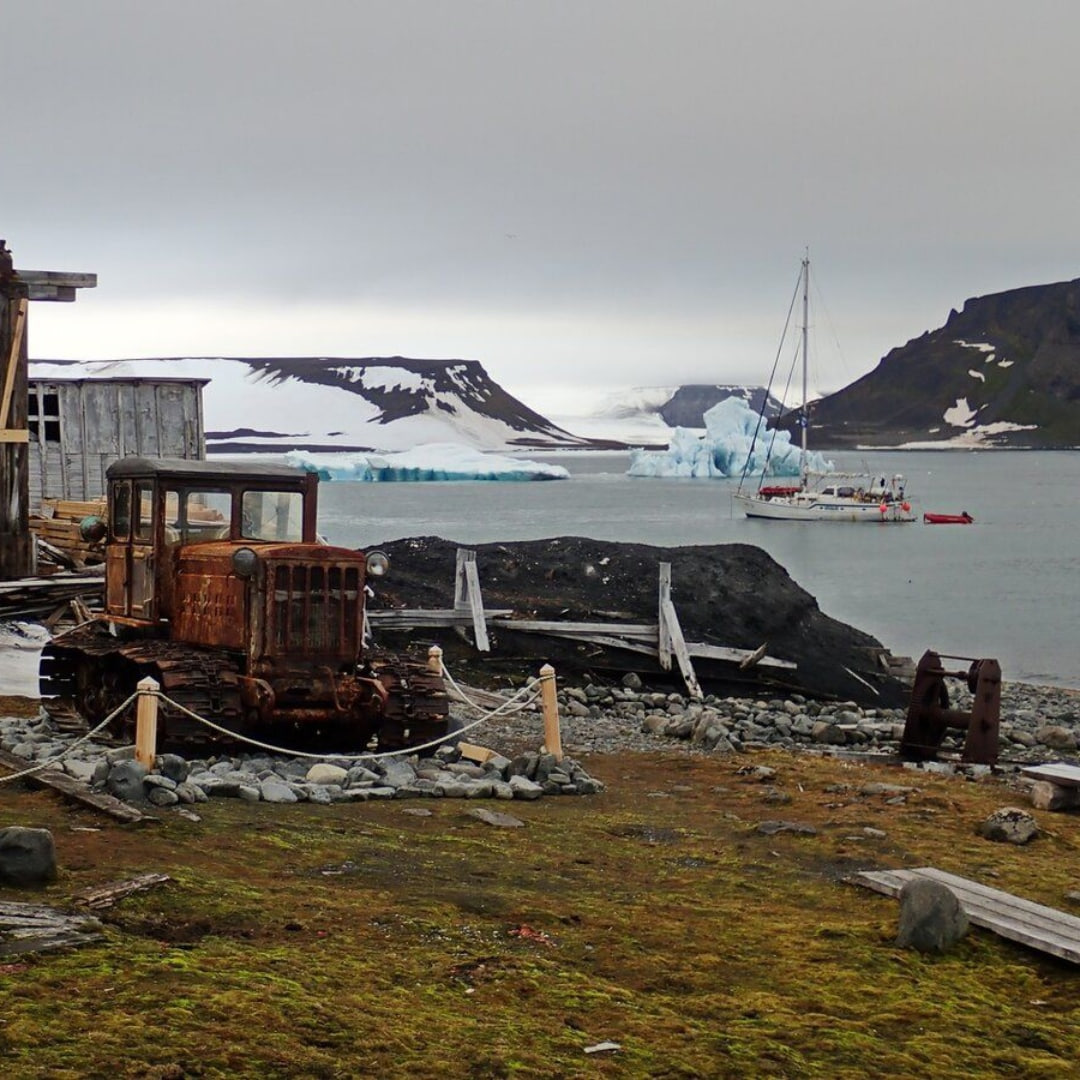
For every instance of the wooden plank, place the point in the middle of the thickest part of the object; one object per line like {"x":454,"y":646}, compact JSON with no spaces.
{"x":11,"y":366}
{"x":75,"y":789}
{"x":663,"y":644}
{"x":64,"y":294}
{"x":107,"y":895}
{"x":476,"y":606}
{"x":738,"y":656}
{"x":1011,"y":917}
{"x":1057,"y":772}
{"x":643,"y":631}
{"x":404,"y":618}
{"x":678,"y":646}
{"x":14,"y":435}
{"x":57,"y":277}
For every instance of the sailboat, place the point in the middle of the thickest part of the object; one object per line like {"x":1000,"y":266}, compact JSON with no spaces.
{"x":848,"y":497}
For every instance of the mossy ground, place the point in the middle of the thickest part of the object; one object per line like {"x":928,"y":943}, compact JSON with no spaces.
{"x":362,"y":941}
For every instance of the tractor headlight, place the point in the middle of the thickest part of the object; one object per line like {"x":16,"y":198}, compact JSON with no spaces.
{"x":244,"y":561}
{"x":378,"y":564}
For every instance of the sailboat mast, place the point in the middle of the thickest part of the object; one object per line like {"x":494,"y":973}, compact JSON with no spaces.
{"x":805,"y":418}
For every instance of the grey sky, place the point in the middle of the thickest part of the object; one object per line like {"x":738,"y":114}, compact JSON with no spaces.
{"x":604,"y":193}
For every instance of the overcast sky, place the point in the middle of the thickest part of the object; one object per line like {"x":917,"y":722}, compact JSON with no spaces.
{"x":577,"y":194}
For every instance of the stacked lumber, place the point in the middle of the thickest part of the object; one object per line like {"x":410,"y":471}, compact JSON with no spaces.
{"x":56,"y":527}
{"x":34,"y":598}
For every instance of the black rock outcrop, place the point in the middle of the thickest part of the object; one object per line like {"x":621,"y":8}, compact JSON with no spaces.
{"x":731,"y":595}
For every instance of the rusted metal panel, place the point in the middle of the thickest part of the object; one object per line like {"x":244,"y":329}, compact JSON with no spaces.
{"x":929,"y":715}
{"x":209,"y":602}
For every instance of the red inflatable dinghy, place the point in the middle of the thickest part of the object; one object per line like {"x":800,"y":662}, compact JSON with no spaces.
{"x":963,"y":518}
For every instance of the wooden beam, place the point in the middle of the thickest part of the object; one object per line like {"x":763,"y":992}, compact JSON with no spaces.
{"x":678,"y":645}
{"x":663,"y":646}
{"x":63,"y":293}
{"x":63,"y":278}
{"x":14,"y":435}
{"x":55,"y":778}
{"x":11,"y":365}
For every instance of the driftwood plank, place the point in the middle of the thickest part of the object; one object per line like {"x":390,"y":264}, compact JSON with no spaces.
{"x":664,"y":644}
{"x":1011,"y":917}
{"x":26,"y":928}
{"x":74,"y":789}
{"x":678,"y":645}
{"x":107,"y":895}
{"x":1057,"y":772}
{"x":476,"y":605}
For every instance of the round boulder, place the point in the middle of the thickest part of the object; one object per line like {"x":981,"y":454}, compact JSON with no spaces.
{"x":931,"y":918}
{"x":1010,"y":825}
{"x":27,"y":856}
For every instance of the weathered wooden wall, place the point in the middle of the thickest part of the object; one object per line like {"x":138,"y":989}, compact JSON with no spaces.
{"x":78,"y":427}
{"x":16,"y":549}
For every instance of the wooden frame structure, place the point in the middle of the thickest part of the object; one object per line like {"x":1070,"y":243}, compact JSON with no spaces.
{"x":17,"y":289}
{"x":663,"y":639}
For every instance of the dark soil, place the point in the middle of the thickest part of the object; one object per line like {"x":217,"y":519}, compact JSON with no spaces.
{"x":725,"y":594}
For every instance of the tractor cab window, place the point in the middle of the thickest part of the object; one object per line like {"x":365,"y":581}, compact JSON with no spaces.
{"x":191,"y":516}
{"x":272,"y":515}
{"x":120,"y":516}
{"x":144,"y":510}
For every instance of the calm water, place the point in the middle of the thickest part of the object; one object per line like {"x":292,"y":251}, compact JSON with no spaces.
{"x":1006,"y":587}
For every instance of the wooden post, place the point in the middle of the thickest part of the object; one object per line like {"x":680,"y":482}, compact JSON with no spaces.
{"x":550,"y":701}
{"x":467,"y":597}
{"x":664,"y":599}
{"x":146,"y":722}
{"x":17,"y":287}
{"x":434,"y":660}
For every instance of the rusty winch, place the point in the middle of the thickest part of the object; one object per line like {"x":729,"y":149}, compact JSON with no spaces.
{"x":929,"y":715}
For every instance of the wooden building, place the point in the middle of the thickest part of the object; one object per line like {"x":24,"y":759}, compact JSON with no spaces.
{"x":17,"y":289}
{"x":79,"y":427}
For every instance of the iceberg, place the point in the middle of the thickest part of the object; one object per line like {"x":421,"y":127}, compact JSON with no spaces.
{"x":726,"y":449}
{"x":427,"y":462}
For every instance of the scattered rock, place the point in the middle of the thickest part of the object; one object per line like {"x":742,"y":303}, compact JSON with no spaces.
{"x":27,"y":856}
{"x":931,"y":917}
{"x":770,"y":828}
{"x":494,"y":817}
{"x":1010,"y":825}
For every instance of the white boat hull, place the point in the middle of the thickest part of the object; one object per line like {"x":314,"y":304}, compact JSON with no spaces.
{"x":806,"y":506}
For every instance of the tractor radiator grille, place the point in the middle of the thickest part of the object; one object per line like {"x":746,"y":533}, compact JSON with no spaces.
{"x":315,"y":609}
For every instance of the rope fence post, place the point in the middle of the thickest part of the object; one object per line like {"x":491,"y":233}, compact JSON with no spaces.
{"x":434,"y":660}
{"x":550,"y":701}
{"x":146,"y":714}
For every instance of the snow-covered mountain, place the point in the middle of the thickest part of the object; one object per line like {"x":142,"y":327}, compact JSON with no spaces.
{"x":324,"y":404}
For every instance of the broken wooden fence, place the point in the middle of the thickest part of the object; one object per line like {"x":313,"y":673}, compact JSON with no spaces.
{"x":662,"y":640}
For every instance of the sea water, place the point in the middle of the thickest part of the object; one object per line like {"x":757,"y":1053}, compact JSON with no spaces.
{"x":1006,"y":587}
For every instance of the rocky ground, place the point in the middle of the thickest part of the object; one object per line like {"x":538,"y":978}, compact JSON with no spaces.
{"x":1039,"y":724}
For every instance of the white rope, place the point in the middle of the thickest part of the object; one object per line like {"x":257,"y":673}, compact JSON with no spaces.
{"x":71,"y":746}
{"x":365,"y":754}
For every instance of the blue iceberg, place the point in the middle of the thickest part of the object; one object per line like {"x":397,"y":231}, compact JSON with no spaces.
{"x":430,"y":461}
{"x":726,"y":449}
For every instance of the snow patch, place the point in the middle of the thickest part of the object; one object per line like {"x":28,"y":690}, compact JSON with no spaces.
{"x":960,"y":415}
{"x":977,"y":375}
{"x":981,"y":346}
{"x":1005,"y":363}
{"x":981,"y":436}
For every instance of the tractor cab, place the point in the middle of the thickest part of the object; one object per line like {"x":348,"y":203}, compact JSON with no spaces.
{"x":159,"y":508}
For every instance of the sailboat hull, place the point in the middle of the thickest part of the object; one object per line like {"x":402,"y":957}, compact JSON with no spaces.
{"x":806,"y":506}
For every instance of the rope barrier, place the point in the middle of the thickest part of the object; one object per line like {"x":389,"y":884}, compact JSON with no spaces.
{"x":367,"y":754}
{"x":527,"y":693}
{"x":67,"y":749}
